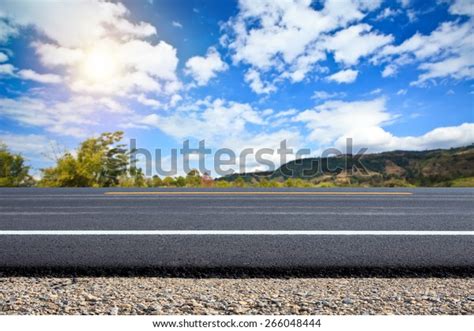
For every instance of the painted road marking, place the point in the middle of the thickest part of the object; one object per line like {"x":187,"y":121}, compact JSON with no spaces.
{"x":258,"y":193}
{"x":226,"y":233}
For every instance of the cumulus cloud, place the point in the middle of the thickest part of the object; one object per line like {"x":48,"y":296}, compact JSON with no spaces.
{"x":344,"y":76}
{"x":203,"y":69}
{"x":97,"y":48}
{"x":331,"y":123}
{"x":342,"y":43}
{"x":442,"y":137}
{"x":253,"y":78}
{"x":75,"y":24}
{"x":332,"y":119}
{"x":389,"y":70}
{"x":7,"y":69}
{"x":286,"y":39}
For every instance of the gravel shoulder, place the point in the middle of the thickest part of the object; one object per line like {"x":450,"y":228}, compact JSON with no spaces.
{"x":156,"y":295}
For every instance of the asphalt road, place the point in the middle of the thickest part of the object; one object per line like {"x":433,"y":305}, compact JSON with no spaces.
{"x":347,"y":228}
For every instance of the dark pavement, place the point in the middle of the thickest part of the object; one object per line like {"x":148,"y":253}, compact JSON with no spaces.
{"x":437,"y":228}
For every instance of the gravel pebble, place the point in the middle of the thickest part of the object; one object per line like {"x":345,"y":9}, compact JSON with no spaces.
{"x":155,"y":295}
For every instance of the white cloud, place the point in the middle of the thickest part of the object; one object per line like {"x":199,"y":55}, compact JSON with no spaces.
{"x":344,"y":76}
{"x":129,"y":67}
{"x":53,"y":55}
{"x":462,"y":7}
{"x":176,"y":24}
{"x":411,"y":14}
{"x":3,"y":57}
{"x":331,"y":123}
{"x":404,"y":3}
{"x":42,"y":78}
{"x":376,"y":91}
{"x":388,"y":13}
{"x":444,"y":53}
{"x":448,"y":37}
{"x":6,"y":31}
{"x":286,"y":39}
{"x":224,"y":124}
{"x":153,"y":103}
{"x":286,"y":113}
{"x":7,"y":69}
{"x":78,"y":23}
{"x":68,"y":118}
{"x":442,"y":137}
{"x":332,"y":119}
{"x":389,"y":70}
{"x":202,"y":69}
{"x":206,"y":119}
{"x":323,"y":95}
{"x":456,"y":67}
{"x":32,"y":145}
{"x":402,"y":92}
{"x":253,"y":78}
{"x":96,"y":48}
{"x":343,"y":43}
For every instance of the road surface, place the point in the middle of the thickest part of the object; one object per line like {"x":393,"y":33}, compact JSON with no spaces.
{"x":253,"y":228}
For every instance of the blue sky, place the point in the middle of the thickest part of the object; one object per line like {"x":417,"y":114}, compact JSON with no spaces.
{"x":388,"y":74}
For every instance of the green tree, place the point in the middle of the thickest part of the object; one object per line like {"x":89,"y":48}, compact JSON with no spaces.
{"x":169,"y":181}
{"x":156,"y":181}
{"x":64,"y":174}
{"x":13,"y":171}
{"x":239,"y":182}
{"x":100,"y":162}
{"x":180,"y":181}
{"x":193,"y":178}
{"x":138,"y":177}
{"x":222,"y":184}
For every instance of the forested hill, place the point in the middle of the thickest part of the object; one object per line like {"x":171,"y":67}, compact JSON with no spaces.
{"x":439,"y":167}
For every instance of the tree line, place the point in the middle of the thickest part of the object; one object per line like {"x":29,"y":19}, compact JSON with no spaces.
{"x":105,"y":162}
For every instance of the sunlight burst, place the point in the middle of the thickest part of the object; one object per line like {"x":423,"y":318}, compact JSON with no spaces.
{"x":99,"y":66}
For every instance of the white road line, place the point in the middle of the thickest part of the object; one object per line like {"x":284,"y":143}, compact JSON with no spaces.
{"x":228,"y":233}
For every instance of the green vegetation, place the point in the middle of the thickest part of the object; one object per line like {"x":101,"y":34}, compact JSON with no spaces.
{"x":463,"y":182}
{"x":13,"y":171}
{"x":99,"y":162}
{"x":451,"y":167}
{"x":105,"y":162}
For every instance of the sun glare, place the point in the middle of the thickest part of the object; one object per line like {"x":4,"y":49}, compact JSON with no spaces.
{"x":99,"y":66}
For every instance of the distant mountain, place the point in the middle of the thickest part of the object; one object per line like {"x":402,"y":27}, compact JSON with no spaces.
{"x":439,"y":167}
